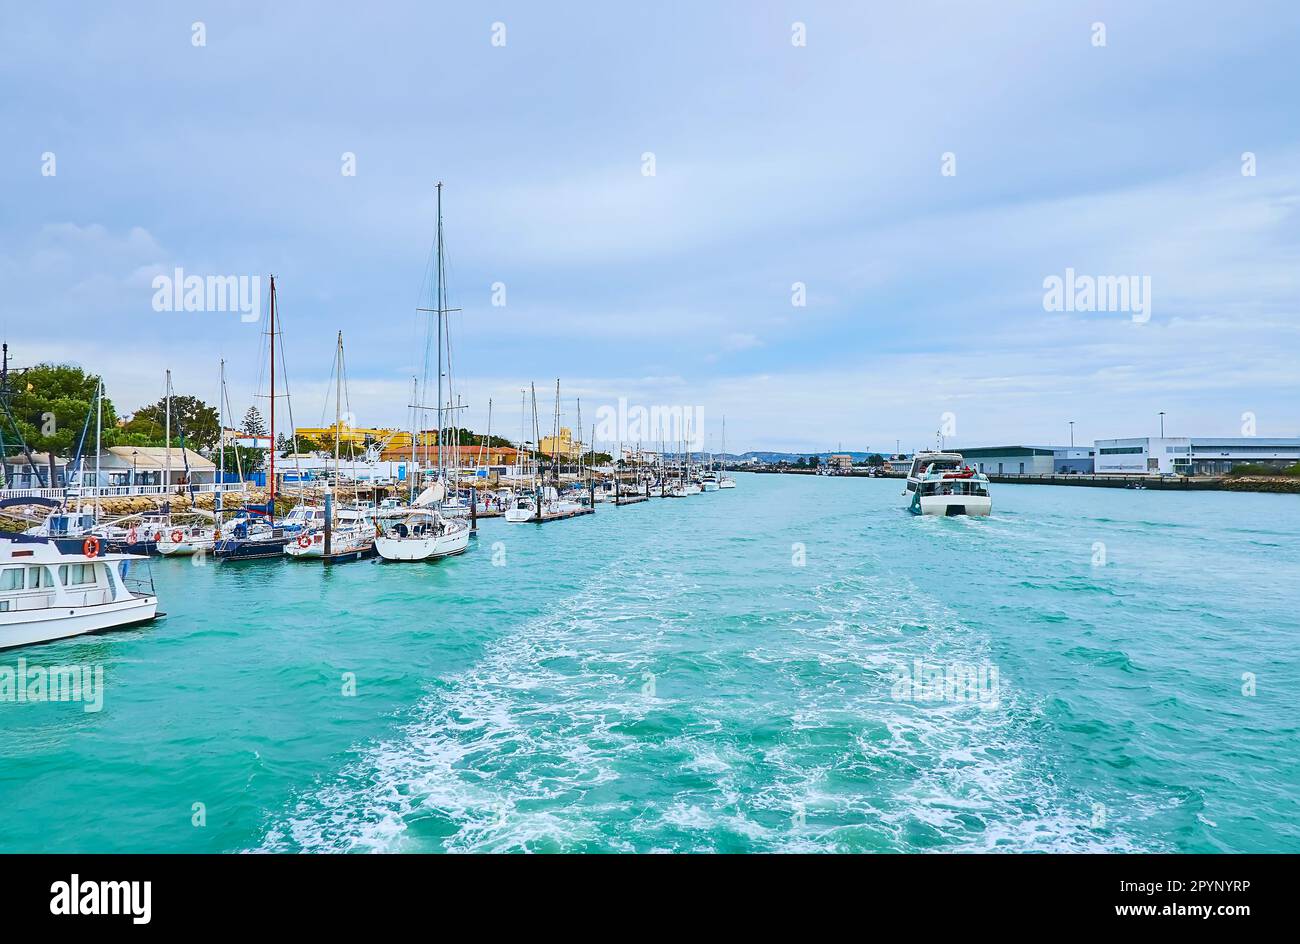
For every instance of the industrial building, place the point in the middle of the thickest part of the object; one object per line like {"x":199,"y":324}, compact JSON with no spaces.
{"x":1030,"y":460}
{"x":1193,"y":455}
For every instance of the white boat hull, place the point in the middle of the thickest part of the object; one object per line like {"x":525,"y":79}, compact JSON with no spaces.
{"x":187,"y":546}
{"x":27,"y":627}
{"x":423,"y":548}
{"x":727,"y":483}
{"x":948,"y":505}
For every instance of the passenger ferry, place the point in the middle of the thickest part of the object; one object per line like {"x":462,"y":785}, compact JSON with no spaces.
{"x":941,"y":484}
{"x":48,"y":592}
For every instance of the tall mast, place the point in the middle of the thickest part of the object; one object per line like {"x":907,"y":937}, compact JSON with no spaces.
{"x":221,"y":448}
{"x":415,"y":413}
{"x":440,"y":314}
{"x":167,"y":434}
{"x":99,"y":424}
{"x":271,"y":451}
{"x":538,"y":464}
{"x":338,"y":408}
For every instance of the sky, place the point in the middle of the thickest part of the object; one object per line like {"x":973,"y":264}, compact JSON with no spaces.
{"x":827,"y":165}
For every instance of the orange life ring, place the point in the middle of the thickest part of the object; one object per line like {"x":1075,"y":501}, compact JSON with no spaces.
{"x":304,"y":542}
{"x":178,"y":536}
{"x":131,"y":536}
{"x":90,"y":547}
{"x":157,"y":536}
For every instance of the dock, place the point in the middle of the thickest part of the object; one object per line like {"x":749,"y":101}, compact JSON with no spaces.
{"x":563,"y":515}
{"x":631,"y":500}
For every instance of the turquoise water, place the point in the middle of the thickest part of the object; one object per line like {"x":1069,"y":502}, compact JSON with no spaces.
{"x":666,"y":677}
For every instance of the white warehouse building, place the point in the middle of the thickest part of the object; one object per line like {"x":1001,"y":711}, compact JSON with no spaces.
{"x":1192,"y":455}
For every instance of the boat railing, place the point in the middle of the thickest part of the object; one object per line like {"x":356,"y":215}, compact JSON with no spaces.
{"x":118,"y":491}
{"x":138,"y":578}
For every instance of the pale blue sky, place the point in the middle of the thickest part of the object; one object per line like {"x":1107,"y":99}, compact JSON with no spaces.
{"x":775,"y":164}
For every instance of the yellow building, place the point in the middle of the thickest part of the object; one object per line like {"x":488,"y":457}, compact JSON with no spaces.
{"x":391,"y":438}
{"x":564,"y":445}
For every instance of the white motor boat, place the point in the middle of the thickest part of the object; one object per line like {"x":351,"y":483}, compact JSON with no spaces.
{"x":522,"y":508}
{"x":709,"y":481}
{"x":423,"y":534}
{"x":47,"y":593}
{"x":941,"y":484}
{"x":726,"y":481}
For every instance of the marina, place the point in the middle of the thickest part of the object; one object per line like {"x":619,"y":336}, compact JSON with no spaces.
{"x":540,"y":700}
{"x":946,"y":355}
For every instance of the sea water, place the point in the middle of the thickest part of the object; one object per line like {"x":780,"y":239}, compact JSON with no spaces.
{"x":797,"y":664}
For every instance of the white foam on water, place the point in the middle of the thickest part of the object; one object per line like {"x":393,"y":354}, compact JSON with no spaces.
{"x":503,"y":754}
{"x":548,"y":743}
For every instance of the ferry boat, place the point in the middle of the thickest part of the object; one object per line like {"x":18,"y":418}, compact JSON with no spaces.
{"x":941,"y":484}
{"x":48,"y":592}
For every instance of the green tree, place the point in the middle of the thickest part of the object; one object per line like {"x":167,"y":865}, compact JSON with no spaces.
{"x":190,"y":415}
{"x":50,"y":404}
{"x":254,"y":425}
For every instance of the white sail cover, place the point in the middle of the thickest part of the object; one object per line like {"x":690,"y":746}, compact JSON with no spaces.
{"x":434,"y":493}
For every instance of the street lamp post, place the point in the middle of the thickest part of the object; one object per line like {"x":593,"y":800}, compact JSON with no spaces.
{"x":1162,"y":424}
{"x":134,"y":453}
{"x":1071,"y":434}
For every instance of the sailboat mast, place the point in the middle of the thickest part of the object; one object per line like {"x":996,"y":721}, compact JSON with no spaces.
{"x":440,"y":314}
{"x":271,"y":452}
{"x":167,"y":433}
{"x":99,"y":425}
{"x":338,"y":407}
{"x":221,"y":448}
{"x":415,"y":413}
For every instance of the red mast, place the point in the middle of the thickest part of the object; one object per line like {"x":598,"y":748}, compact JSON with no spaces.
{"x":271,"y":451}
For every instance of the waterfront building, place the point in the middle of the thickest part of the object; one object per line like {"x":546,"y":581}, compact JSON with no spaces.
{"x":148,"y":465}
{"x":1193,"y":455}
{"x":39,"y":470}
{"x":563,"y":445}
{"x":464,"y":457}
{"x":840,"y":462}
{"x":1030,"y":460}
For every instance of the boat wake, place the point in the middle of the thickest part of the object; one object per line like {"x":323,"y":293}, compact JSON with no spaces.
{"x":646,"y":713}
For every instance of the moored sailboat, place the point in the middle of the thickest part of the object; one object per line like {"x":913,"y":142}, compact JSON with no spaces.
{"x":423,"y":532}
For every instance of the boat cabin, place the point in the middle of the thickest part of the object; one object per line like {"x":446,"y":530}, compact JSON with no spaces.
{"x":41,"y":586}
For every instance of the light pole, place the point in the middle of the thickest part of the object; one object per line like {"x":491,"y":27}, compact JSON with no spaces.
{"x":1162,"y":424}
{"x":134,"y":453}
{"x":1071,"y":434}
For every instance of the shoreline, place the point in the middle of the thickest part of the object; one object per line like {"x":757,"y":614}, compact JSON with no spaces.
{"x":1274,"y":484}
